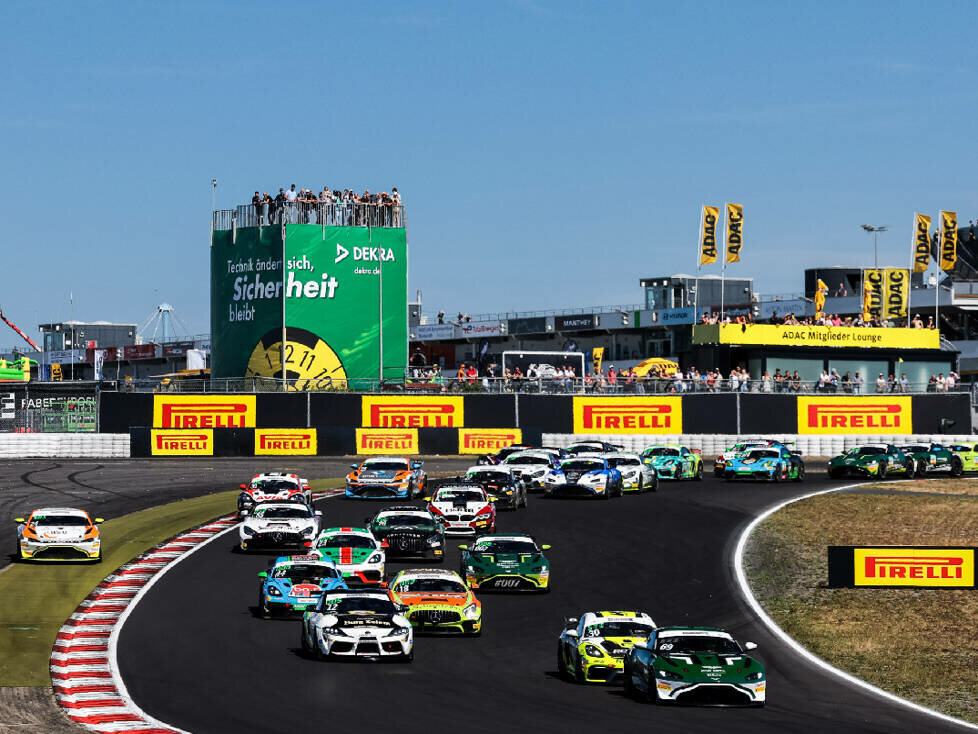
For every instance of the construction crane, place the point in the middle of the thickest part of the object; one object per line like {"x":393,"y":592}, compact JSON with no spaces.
{"x":13,"y":326}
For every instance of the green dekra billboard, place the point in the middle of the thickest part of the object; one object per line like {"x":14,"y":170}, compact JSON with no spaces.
{"x":329,"y":300}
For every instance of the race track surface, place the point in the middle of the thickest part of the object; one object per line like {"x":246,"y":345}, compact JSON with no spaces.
{"x":194,"y":655}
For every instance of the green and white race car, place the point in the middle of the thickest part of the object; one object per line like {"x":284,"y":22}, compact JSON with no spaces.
{"x":872,"y":460}
{"x":672,"y":461}
{"x":932,"y":458}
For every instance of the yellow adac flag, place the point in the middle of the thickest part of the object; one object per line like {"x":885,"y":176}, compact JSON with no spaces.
{"x":820,"y":292}
{"x":949,"y":240}
{"x":872,"y":293}
{"x":735,"y":232}
{"x":896,"y":293}
{"x":708,"y":234}
{"x":597,"y":356}
{"x":921,"y":242}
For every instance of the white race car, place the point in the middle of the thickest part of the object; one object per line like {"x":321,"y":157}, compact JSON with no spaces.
{"x":59,"y":533}
{"x":637,"y":475}
{"x":356,"y":552}
{"x":357,"y":623}
{"x":464,"y":508}
{"x":279,"y":525}
{"x":273,"y":487}
{"x":536,"y":468}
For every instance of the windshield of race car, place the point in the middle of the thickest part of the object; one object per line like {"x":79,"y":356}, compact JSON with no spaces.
{"x":866,"y":451}
{"x":60,"y":520}
{"x":347,"y":541}
{"x":684,"y":644}
{"x":962,"y":447}
{"x":916,"y":449}
{"x":410,"y":521}
{"x":625,"y":461}
{"x":385,"y":465}
{"x":430,"y":586}
{"x":459,"y":495}
{"x":762,"y":454}
{"x":583,"y":465}
{"x":618,"y":629}
{"x":662,"y":451}
{"x":304,"y":574}
{"x":527,"y":460}
{"x":506,"y":545}
{"x":272,"y":485}
{"x":584,"y":447}
{"x":496,"y":477}
{"x":269,"y":513}
{"x":365,"y":605}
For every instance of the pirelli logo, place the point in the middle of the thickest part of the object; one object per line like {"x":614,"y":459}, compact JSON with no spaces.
{"x":285,"y":442}
{"x":628,"y":415}
{"x":203,"y":411}
{"x":181,"y":442}
{"x":864,"y":415}
{"x":412,"y":411}
{"x":487,"y":440}
{"x":919,"y":566}
{"x":387,"y":441}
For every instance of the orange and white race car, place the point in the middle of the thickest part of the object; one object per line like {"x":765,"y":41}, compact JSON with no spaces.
{"x":59,"y":534}
{"x":386,"y":478}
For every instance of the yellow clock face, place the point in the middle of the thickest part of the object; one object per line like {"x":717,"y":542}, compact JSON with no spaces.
{"x":310,"y":363}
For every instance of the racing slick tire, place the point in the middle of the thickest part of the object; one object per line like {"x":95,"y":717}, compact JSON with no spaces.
{"x":579,"y":673}
{"x":882,"y":471}
{"x":920,"y":469}
{"x":641,"y":484}
{"x":836,"y":473}
{"x":957,"y":468}
{"x":606,"y":495}
{"x":98,"y":558}
{"x":263,"y":609}
{"x":679,"y":473}
{"x":407,"y":658}
{"x":561,"y":665}
{"x":626,"y":684}
{"x":800,"y":476}
{"x":699,"y":473}
{"x":776,"y":476}
{"x":303,"y":645}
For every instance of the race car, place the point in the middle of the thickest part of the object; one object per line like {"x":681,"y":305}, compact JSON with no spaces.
{"x":358,"y":555}
{"x":501,"y":484}
{"x":772,"y":463}
{"x":464,"y":508}
{"x":357,"y":623}
{"x":871,"y":460}
{"x":637,"y":474}
{"x":933,"y":458}
{"x":968,"y":453}
{"x":505,"y":563}
{"x":59,"y":534}
{"x":591,"y":447}
{"x":535,"y":467}
{"x":273,"y":487}
{"x":585,"y":476}
{"x":500,"y":456}
{"x":693,"y":665}
{"x":406,"y":531}
{"x":720,"y":462}
{"x":672,"y":461}
{"x":437,"y":601}
{"x":295,"y":583}
{"x":279,"y":525}
{"x":385,"y":478}
{"x":592,"y":648}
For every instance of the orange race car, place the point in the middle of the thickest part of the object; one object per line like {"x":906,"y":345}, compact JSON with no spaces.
{"x":386,"y":478}
{"x":59,"y":534}
{"x":437,"y":601}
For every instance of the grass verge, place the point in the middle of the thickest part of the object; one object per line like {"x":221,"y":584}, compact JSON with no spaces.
{"x":35,"y":600}
{"x":918,"y":644}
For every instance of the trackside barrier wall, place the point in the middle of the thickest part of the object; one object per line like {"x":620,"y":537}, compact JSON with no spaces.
{"x":53,"y":445}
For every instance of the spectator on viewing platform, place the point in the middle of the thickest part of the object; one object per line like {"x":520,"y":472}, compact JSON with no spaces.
{"x":892,"y":384}
{"x":971,"y":230}
{"x":291,"y":196}
{"x":441,"y":317}
{"x":857,"y":384}
{"x":904,"y":383}
{"x":846,"y":382}
{"x":256,"y":204}
{"x":841,"y":291}
{"x":952,"y":380}
{"x":612,"y":379}
{"x":778,"y":380}
{"x":460,"y":375}
{"x":767,"y":383}
{"x":881,"y":383}
{"x":279,"y":211}
{"x":796,"y":382}
{"x":917,"y":323}
{"x":930,"y":322}
{"x":941,"y":383}
{"x":472,"y":373}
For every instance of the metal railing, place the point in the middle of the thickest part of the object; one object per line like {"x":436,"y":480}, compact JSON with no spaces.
{"x":428,"y":319}
{"x":298,"y":212}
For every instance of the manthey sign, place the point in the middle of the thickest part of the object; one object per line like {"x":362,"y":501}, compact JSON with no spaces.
{"x":332,"y":286}
{"x":815,"y":336}
{"x":869,"y":415}
{"x":928,"y":567}
{"x":628,"y":415}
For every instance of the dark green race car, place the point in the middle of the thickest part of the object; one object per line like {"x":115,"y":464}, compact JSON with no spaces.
{"x":505,"y":563}
{"x":934,"y":458}
{"x":872,"y":460}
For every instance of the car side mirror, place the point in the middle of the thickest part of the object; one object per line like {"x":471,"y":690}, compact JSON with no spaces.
{"x":426,"y":499}
{"x":641,"y":645}
{"x":750,"y":645}
{"x":571,"y":633}
{"x":306,"y":486}
{"x":367,"y":520}
{"x":20,"y":519}
{"x":99,"y":519}
{"x":417,"y":464}
{"x":354,"y":466}
{"x":242,"y":486}
{"x":493,"y":499}
{"x":244,"y":513}
{"x":463,"y":547}
{"x":319,"y":513}
{"x":263,"y":574}
{"x":545,"y":547}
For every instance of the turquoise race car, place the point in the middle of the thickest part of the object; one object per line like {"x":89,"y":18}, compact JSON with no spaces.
{"x":672,"y":461}
{"x":770,"y":463}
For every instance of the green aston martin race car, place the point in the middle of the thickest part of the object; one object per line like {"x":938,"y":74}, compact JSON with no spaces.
{"x":934,"y":458}
{"x":672,"y":461}
{"x":505,"y":563}
{"x":968,"y":453}
{"x":872,"y":460}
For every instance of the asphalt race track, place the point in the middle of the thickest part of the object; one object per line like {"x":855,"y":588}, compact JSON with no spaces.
{"x":194,"y":655}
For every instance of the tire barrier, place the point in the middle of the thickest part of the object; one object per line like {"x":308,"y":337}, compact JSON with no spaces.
{"x":53,"y":445}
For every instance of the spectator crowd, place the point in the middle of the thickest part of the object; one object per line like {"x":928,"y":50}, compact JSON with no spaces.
{"x":333,"y":207}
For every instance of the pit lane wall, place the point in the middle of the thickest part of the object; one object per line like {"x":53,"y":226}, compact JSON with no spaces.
{"x":328,"y":423}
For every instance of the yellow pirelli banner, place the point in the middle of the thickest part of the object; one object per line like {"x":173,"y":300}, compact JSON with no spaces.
{"x":873,"y":280}
{"x":949,"y":240}
{"x":387,"y":440}
{"x":734,"y":239}
{"x":487,"y":440}
{"x":708,"y":234}
{"x":815,"y":336}
{"x":412,"y":411}
{"x":921,"y":242}
{"x":204,"y":411}
{"x":925,"y":567}
{"x":865,"y":415}
{"x":896,"y":293}
{"x":628,"y":415}
{"x":286,"y":442}
{"x":181,"y":442}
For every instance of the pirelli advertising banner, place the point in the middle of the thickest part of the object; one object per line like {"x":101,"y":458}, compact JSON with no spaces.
{"x":204,"y":411}
{"x":331,"y":285}
{"x":412,"y":411}
{"x":487,"y":440}
{"x":181,"y":442}
{"x":628,"y":415}
{"x":926,"y":567}
{"x":869,"y":415}
{"x":285,"y":442}
{"x":387,"y":441}
{"x":815,"y":336}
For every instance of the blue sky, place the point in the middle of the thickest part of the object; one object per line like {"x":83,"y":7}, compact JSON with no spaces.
{"x":549,"y":154}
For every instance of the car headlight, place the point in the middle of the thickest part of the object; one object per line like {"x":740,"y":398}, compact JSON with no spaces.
{"x":330,"y":631}
{"x":245,"y":499}
{"x":538,"y":473}
{"x":669,"y":675}
{"x":309,"y":530}
{"x":471,"y":611}
{"x":755,"y":676}
{"x":434,"y":540}
{"x":872,"y":464}
{"x":630,"y":473}
{"x":272,"y":591}
{"x":592,"y":651}
{"x":375,"y":558}
{"x":246,"y":530}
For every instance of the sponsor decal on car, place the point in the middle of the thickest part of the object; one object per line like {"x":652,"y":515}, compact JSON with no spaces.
{"x":385,"y":441}
{"x":864,"y":415}
{"x":285,"y":441}
{"x":628,"y":415}
{"x":487,"y":440}
{"x":412,"y":411}
{"x":182,"y":442}
{"x":203,"y":411}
